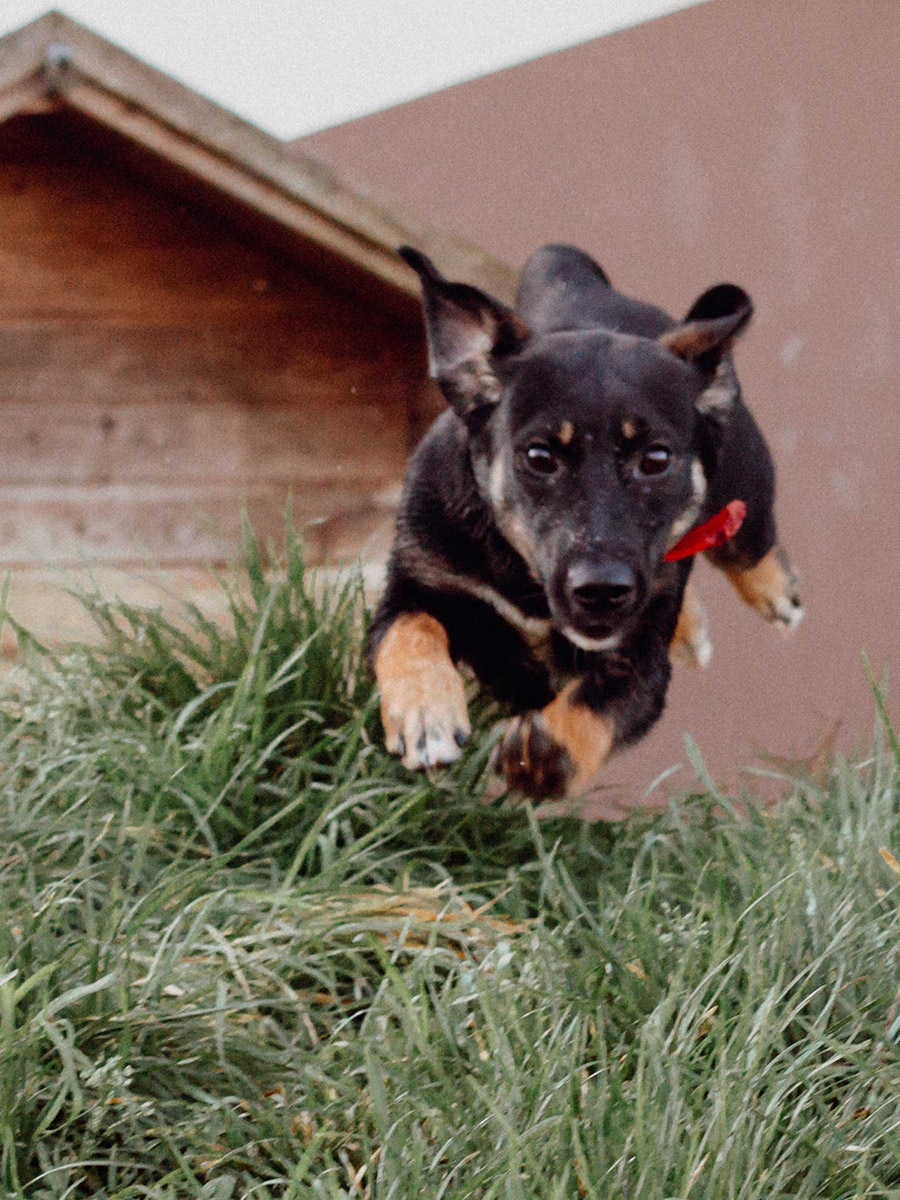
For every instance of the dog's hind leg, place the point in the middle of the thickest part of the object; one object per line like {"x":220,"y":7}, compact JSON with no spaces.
{"x":690,"y":645}
{"x":423,"y":703}
{"x":771,"y":587}
{"x":754,"y":562}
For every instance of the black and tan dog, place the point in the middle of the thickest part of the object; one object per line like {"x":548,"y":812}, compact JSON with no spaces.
{"x":586,"y":433}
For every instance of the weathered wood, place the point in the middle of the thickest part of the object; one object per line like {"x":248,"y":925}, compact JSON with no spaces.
{"x":27,"y":96}
{"x":256,"y":362}
{"x":45,"y":599}
{"x":158,"y":369}
{"x":117,"y":90}
{"x":192,"y":316}
{"x":99,"y":228}
{"x":228,"y":443}
{"x":159,"y":524}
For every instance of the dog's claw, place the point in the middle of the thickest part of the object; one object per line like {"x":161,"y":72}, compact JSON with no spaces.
{"x":423,"y":703}
{"x":426,"y":737}
{"x":427,"y":740}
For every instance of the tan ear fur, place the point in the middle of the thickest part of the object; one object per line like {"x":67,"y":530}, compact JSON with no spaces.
{"x":707,"y":332}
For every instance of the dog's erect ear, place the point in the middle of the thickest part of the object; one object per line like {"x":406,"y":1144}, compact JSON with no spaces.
{"x":710,"y":327}
{"x":468,"y":333}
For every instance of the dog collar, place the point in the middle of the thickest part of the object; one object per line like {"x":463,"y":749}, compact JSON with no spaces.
{"x":711,"y":533}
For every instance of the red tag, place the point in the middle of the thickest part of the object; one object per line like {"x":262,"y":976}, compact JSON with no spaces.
{"x":714,"y":532}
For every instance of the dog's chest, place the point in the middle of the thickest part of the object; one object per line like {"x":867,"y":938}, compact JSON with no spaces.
{"x":549,"y":649}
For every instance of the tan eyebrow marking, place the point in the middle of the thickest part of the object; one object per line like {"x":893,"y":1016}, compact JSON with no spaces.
{"x":629,"y":430}
{"x":566,"y":433}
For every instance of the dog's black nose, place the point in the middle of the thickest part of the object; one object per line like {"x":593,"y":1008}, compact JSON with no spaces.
{"x":603,"y":586}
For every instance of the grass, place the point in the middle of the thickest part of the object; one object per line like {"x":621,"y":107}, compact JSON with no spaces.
{"x":244,"y":954}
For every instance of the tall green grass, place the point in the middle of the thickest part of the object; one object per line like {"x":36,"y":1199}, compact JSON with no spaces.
{"x":245,"y":954}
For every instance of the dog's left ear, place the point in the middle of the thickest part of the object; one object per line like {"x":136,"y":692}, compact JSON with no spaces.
{"x":710,"y":327}
{"x":469,"y":333}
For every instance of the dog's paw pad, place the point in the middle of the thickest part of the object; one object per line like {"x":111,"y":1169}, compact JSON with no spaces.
{"x":531,"y":760}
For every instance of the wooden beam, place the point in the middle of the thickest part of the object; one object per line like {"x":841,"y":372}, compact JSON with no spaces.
{"x":24,"y":98}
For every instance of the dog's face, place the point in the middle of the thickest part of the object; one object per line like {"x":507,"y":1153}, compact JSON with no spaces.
{"x":588,"y":462}
{"x":584,"y":443}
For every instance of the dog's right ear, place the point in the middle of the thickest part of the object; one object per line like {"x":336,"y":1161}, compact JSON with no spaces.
{"x":707,"y":332}
{"x":469,"y":333}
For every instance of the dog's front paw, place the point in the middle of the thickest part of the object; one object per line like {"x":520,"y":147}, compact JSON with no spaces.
{"x":557,"y":751}
{"x":423,"y":702}
{"x":425,"y":720}
{"x":532,"y":761}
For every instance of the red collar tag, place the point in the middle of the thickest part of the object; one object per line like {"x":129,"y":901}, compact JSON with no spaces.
{"x":711,"y":533}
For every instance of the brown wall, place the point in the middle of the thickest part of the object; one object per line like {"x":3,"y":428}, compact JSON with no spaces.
{"x":749,"y":140}
{"x":157,"y":369}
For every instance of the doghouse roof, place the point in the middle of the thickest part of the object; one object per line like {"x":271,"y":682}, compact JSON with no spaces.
{"x":210,"y":155}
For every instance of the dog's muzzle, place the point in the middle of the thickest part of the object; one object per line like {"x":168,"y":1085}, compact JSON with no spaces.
{"x":600,"y":592}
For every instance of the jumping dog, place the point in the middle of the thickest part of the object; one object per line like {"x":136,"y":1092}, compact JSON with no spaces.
{"x":585,"y":433}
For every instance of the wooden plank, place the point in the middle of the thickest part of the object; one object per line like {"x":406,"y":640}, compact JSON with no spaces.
{"x":229,"y":444}
{"x":156,"y":524}
{"x":127,"y":95}
{"x":27,"y":96}
{"x":83,"y":234}
{"x":42,"y":599}
{"x":261,"y":362}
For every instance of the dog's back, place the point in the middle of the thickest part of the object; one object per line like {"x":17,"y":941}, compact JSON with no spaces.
{"x":562,"y":288}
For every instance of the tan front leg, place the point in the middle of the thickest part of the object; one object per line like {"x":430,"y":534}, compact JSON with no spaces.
{"x":690,"y":645}
{"x":557,"y":751}
{"x":423,"y":704}
{"x":771,"y":587}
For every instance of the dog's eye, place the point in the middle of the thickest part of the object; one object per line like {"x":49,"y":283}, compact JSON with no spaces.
{"x":541,"y":458}
{"x":655,"y":460}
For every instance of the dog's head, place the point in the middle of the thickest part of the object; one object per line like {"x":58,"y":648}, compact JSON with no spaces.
{"x":584,"y":443}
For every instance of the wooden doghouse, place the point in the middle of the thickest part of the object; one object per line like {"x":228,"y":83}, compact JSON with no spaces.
{"x":193,"y":320}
